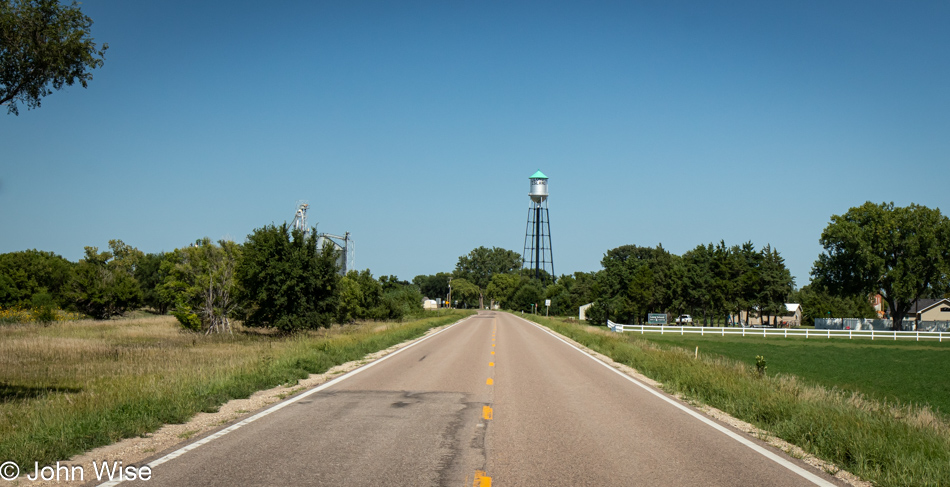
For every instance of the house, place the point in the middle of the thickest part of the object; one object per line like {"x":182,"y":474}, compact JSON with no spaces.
{"x":794,"y":315}
{"x":929,"y":310}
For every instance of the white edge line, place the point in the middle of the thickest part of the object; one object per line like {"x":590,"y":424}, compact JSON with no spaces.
{"x":741,"y":439}
{"x":191,"y":446}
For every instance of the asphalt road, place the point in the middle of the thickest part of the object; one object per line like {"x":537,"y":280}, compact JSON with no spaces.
{"x":493,"y":400}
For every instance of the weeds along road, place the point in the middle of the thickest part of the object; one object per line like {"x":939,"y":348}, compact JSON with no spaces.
{"x":493,"y":400}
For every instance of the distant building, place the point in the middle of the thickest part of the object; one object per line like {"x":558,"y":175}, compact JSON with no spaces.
{"x":929,"y":310}
{"x":878,"y":303}
{"x":794,"y":315}
{"x":582,"y":311}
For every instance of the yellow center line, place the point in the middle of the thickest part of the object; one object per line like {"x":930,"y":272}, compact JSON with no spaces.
{"x":489,"y":381}
{"x":493,"y":352}
{"x":481,"y":480}
{"x":486,"y":412}
{"x":491,"y":364}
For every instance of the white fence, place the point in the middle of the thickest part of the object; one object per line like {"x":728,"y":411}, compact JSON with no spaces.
{"x":909,"y":324}
{"x":780,"y":332}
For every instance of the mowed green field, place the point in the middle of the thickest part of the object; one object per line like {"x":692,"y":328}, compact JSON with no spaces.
{"x":905,"y":371}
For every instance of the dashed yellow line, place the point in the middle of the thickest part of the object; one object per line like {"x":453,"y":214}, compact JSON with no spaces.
{"x":481,"y":480}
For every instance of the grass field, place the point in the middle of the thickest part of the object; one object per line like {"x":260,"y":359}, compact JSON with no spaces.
{"x":888,"y":443}
{"x":904,"y":371}
{"x":70,"y":387}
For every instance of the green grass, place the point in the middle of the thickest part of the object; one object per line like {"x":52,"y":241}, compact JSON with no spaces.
{"x":893,"y":371}
{"x":71,"y":387}
{"x":887,"y":443}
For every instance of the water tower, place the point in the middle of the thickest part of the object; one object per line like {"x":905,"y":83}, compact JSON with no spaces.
{"x":537,"y":254}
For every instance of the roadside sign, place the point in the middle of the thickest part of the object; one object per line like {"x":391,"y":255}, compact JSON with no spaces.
{"x":547,"y":302}
{"x":656,"y":318}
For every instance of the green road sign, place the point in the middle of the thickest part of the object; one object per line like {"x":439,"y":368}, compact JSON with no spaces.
{"x":656,"y":318}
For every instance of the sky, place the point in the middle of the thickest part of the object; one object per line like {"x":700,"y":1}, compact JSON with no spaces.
{"x":415,"y":126}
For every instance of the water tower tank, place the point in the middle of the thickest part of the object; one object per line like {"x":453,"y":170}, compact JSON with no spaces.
{"x":539,"y":187}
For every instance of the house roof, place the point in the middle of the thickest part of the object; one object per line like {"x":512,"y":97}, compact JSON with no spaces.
{"x":792,"y":307}
{"x":922,"y":305}
{"x":538,"y":175}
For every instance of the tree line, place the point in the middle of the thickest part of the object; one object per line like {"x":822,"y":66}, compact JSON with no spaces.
{"x":278,"y":278}
{"x":710,"y":280}
{"x":902,"y":253}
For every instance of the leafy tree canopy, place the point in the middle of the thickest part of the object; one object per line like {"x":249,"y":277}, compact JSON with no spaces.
{"x":200,"y":283}
{"x":433,"y":286}
{"x":287,"y":282}
{"x":102,"y":286}
{"x":482,"y":263}
{"x":901,"y":252}
{"x":819,"y":302}
{"x":502,"y":288}
{"x":465,"y":292}
{"x":31,"y":272}
{"x":43,"y":44}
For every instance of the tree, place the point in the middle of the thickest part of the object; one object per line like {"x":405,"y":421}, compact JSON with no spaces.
{"x":151,"y":275}
{"x":370,"y":292}
{"x":200,"y":280}
{"x":580,"y":290}
{"x":360,"y":297}
{"x":749,"y":281}
{"x":819,"y":302}
{"x":502,"y":287}
{"x":433,"y":286}
{"x":400,"y":302}
{"x":30,"y":272}
{"x":465,"y":292}
{"x":482,"y":263}
{"x":391,"y":283}
{"x":695,"y":289}
{"x":775,"y":283}
{"x":901,"y":252}
{"x":101,"y":288}
{"x":528,"y":295}
{"x":43,"y":44}
{"x":286,"y":281}
{"x":637,"y":280}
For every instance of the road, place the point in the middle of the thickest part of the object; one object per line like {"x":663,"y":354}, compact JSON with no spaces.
{"x":493,"y":400}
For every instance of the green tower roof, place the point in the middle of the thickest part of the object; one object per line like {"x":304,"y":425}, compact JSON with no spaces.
{"x":538,"y":175}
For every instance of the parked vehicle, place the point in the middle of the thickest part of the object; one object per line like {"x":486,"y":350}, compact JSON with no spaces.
{"x":684,"y":319}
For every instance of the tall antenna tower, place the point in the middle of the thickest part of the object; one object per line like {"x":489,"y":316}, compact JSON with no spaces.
{"x":537,"y":256}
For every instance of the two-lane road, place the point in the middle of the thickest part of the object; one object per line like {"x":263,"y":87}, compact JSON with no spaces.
{"x":493,"y":400}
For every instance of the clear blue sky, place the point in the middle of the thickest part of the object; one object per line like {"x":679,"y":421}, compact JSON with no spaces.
{"x":415,"y":125}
